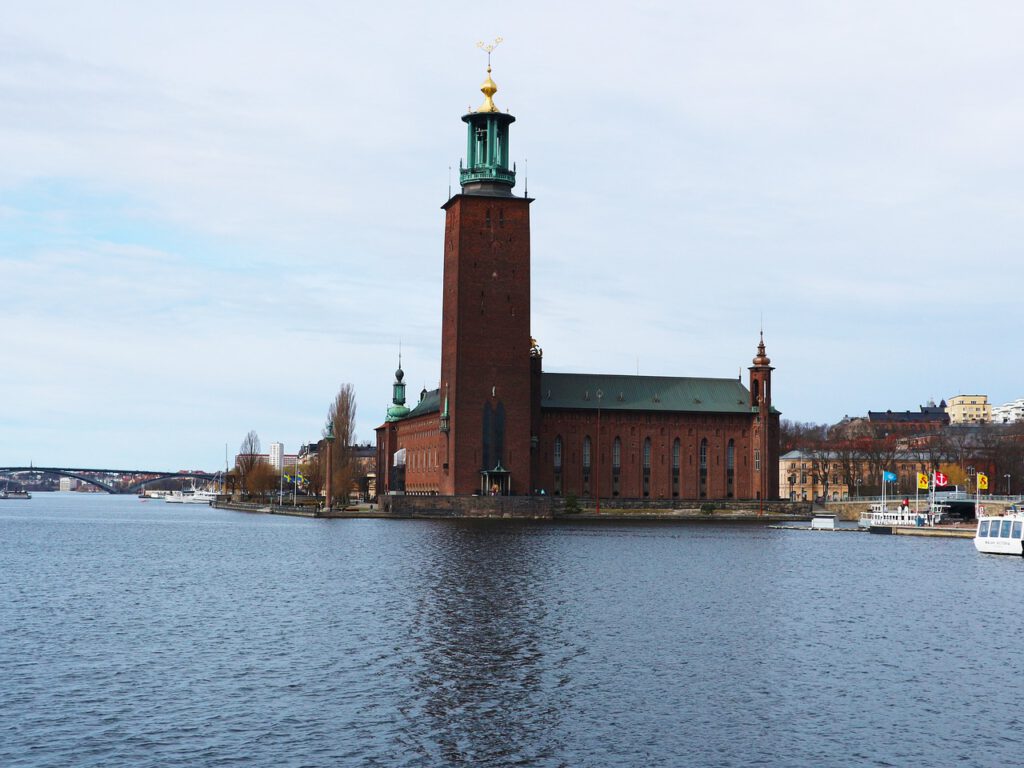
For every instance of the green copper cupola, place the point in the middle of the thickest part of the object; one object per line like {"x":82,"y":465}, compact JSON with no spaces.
{"x":486,"y":170}
{"x":397,"y":410}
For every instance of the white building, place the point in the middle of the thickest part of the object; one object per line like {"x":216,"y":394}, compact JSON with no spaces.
{"x":277,"y":456}
{"x":68,"y":484}
{"x":1008,"y":413}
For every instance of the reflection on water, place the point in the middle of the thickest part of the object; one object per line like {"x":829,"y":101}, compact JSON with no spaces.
{"x":146,"y":635}
{"x":481,"y":660}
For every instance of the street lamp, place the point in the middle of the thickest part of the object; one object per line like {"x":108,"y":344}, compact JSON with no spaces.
{"x":1007,"y":476}
{"x":328,"y":489}
{"x":857,"y":484}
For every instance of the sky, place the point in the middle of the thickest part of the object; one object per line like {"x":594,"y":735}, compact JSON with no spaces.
{"x":214,"y":214}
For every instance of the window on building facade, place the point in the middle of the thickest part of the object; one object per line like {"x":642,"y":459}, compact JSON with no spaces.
{"x":703,"y":476}
{"x":676,"y":456}
{"x":647,"y":466}
{"x":616,"y":465}
{"x":730,"y":469}
{"x":586,"y":465}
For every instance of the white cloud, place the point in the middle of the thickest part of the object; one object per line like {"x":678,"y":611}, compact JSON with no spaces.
{"x":212,"y":216}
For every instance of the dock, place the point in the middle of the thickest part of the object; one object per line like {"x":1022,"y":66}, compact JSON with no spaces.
{"x":894,"y":530}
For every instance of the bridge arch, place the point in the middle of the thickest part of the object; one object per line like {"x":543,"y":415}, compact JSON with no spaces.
{"x":82,"y":476}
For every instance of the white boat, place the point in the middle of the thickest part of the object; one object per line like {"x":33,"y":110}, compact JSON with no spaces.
{"x":175,"y":497}
{"x":1001,"y":534}
{"x":882,"y":516}
{"x":199,"y":497}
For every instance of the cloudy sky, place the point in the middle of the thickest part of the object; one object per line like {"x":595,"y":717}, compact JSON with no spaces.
{"x":213,"y":214}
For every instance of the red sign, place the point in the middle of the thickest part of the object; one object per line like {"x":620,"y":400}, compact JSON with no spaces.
{"x":941,"y":479}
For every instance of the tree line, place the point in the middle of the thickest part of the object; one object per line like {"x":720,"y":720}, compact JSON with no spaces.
{"x":253,"y":475}
{"x":958,"y":451}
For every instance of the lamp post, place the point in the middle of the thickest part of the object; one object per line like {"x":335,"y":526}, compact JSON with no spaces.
{"x":1007,"y":476}
{"x":857,"y":484}
{"x":597,"y":478}
{"x":328,"y":483}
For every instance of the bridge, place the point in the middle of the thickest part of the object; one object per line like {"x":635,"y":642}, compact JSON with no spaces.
{"x":111,"y":480}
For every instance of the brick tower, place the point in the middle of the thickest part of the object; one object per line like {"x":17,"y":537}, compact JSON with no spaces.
{"x":765,"y":432}
{"x":485,"y":327}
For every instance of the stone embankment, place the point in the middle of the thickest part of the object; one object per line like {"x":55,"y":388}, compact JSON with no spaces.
{"x":542,"y":508}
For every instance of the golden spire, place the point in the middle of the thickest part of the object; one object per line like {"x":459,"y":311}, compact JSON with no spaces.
{"x":489,"y":87}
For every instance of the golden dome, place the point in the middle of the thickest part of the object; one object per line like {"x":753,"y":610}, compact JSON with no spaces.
{"x":488,"y":89}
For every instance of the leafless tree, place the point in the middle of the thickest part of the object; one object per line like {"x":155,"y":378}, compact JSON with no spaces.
{"x":342,"y":414}
{"x":800,"y":435}
{"x":261,"y":478}
{"x":248,"y":456}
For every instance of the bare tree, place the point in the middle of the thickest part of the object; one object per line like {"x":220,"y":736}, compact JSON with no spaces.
{"x":312,"y":471}
{"x":799,"y":435}
{"x":248,"y":456}
{"x":342,"y":415}
{"x":261,"y":478}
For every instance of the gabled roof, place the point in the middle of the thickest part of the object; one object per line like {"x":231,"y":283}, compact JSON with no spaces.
{"x":643,"y":393}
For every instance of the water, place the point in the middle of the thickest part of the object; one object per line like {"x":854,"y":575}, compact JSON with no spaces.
{"x":145,"y":634}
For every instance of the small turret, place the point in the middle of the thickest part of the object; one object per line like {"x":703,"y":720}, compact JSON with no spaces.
{"x":397,"y":409}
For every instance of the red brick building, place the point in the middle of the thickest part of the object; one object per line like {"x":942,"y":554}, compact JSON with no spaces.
{"x":497,"y":423}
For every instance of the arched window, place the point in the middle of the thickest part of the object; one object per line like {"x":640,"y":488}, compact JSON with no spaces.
{"x":703,"y":477}
{"x":616,"y":465}
{"x":730,"y":469}
{"x":676,"y":457}
{"x":647,"y":466}
{"x":586,"y":465}
{"x":557,"y":453}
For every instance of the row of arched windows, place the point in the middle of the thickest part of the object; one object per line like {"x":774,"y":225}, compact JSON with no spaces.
{"x":646,"y":460}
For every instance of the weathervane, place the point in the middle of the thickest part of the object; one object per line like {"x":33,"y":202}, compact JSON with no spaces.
{"x":487,"y":48}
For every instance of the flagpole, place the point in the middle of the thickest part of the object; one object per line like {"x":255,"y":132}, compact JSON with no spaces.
{"x":931,"y":500}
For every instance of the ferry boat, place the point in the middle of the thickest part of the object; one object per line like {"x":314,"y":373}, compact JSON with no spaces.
{"x":1001,"y":534}
{"x":882,"y":516}
{"x":6,"y":494}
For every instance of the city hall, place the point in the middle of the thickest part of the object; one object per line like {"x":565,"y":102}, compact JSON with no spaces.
{"x":499,"y":424}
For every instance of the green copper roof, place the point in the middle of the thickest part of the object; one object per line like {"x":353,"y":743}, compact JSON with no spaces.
{"x":429,"y":403}
{"x":644,"y":393}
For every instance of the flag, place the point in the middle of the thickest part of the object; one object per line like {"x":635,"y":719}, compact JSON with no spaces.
{"x":922,"y":481}
{"x":941,"y":479}
{"x":982,"y":481}
{"x":288,"y":478}
{"x":889,"y":477}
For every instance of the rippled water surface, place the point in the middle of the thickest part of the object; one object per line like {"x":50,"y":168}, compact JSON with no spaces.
{"x":146,"y":634}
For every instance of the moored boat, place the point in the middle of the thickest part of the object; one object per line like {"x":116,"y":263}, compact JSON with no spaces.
{"x":1001,"y":534}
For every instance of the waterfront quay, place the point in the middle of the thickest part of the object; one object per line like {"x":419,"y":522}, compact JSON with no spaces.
{"x":541,"y":508}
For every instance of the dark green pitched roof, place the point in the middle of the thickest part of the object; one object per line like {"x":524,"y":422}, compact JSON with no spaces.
{"x":644,"y":393}
{"x":429,"y":403}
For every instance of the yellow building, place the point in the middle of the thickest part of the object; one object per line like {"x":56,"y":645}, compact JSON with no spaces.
{"x":833,"y":476}
{"x":969,"y":409}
